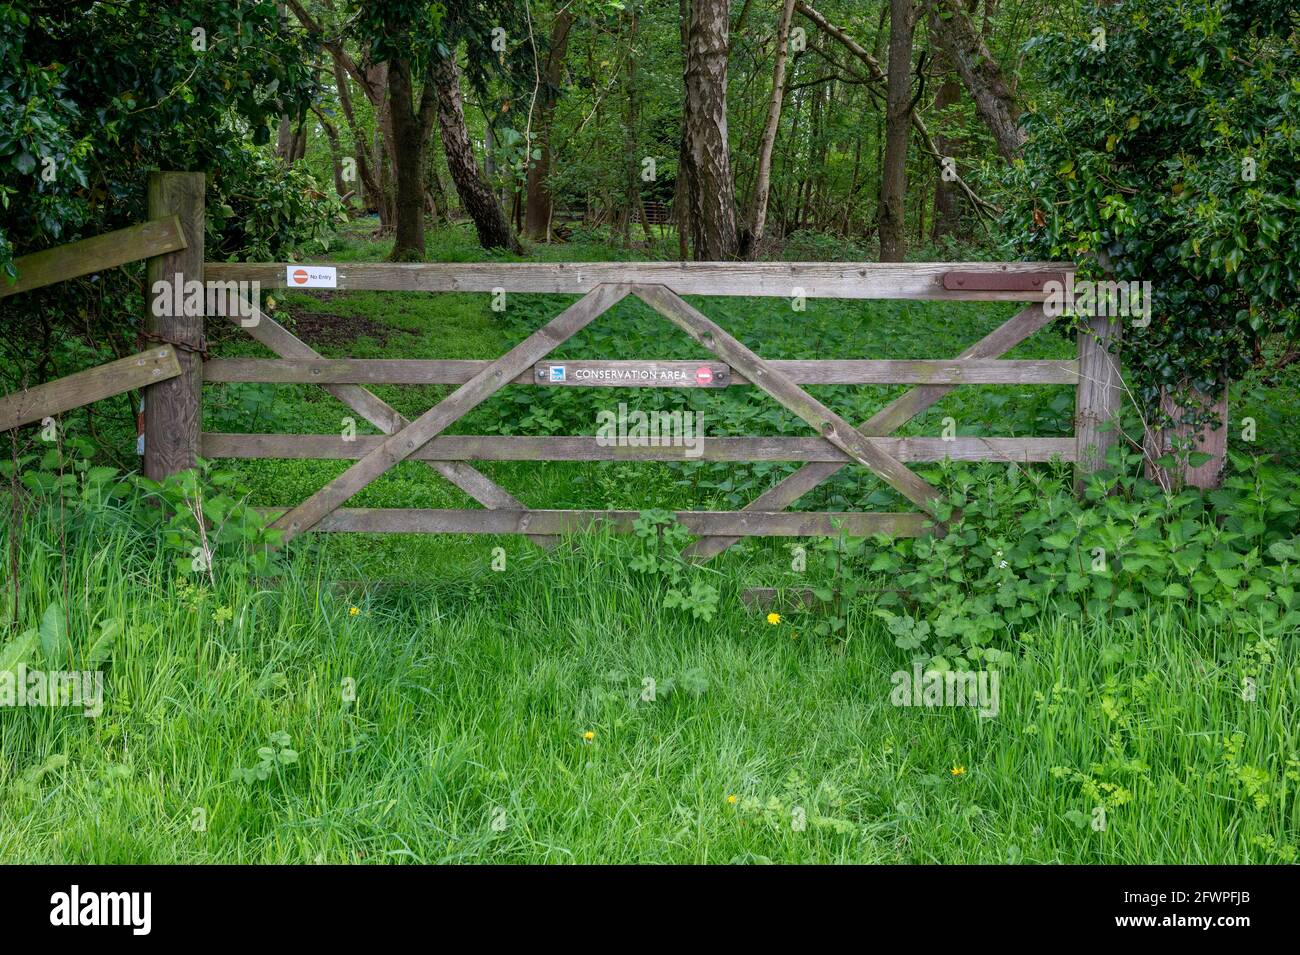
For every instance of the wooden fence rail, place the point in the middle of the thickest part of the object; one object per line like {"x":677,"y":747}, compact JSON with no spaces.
{"x":173,"y":240}
{"x":622,"y":374}
{"x":834,"y":444}
{"x":96,"y":254}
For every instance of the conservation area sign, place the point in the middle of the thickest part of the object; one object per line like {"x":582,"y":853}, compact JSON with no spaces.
{"x":633,"y":374}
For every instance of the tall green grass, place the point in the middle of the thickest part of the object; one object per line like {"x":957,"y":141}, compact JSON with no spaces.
{"x":465,"y":741}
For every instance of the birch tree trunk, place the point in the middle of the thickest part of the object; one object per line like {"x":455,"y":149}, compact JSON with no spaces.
{"x":763,"y":176}
{"x":712,"y":199}
{"x":476,"y":196}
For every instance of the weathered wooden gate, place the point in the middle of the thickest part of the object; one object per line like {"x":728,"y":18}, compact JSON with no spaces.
{"x":173,"y":407}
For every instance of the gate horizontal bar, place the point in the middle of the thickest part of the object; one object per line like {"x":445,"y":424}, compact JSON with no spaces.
{"x":852,"y":280}
{"x":702,"y":523}
{"x":416,"y":371}
{"x":55,"y":397}
{"x":588,"y":448}
{"x":100,"y":252}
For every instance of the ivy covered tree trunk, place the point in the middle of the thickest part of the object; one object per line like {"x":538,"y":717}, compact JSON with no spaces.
{"x":712,"y":191}
{"x":476,"y":195}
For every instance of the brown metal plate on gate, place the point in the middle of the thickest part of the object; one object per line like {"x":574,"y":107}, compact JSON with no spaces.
{"x":633,"y":374}
{"x":1000,"y":281}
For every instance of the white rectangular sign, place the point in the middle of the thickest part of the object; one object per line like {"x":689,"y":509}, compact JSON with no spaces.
{"x":310,"y":276}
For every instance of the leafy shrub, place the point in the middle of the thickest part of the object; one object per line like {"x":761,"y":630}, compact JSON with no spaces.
{"x":203,"y":520}
{"x":1017,"y":543}
{"x":661,"y":539}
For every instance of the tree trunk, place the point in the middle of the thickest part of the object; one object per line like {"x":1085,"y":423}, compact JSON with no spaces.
{"x":539,"y":205}
{"x":475,"y":193}
{"x":284,"y":138}
{"x":336,"y":156}
{"x":1182,"y":438}
{"x":682,"y":186}
{"x":995,"y":103}
{"x":433,"y":187}
{"x":898,"y":124}
{"x":408,"y":160}
{"x":713,"y":201}
{"x":763,"y":175}
{"x":631,"y":179}
{"x":360,"y":152}
{"x":946,"y":96}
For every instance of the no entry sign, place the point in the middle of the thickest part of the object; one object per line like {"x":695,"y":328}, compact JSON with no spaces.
{"x":311,"y":276}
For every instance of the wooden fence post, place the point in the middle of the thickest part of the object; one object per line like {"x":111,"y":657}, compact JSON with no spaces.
{"x":173,"y":410}
{"x":1098,"y":398}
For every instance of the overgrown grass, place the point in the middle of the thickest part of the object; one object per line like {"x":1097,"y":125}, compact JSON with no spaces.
{"x":473,"y":695}
{"x":474,"y":688}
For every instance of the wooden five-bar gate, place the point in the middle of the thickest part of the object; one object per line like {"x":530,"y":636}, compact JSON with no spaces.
{"x":173,"y":434}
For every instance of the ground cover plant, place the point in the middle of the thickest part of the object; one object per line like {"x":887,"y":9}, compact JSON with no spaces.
{"x":380,"y":699}
{"x":1070,"y":665}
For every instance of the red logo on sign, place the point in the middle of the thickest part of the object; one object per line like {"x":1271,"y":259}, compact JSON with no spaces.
{"x":300,"y":276}
{"x":704,"y":375}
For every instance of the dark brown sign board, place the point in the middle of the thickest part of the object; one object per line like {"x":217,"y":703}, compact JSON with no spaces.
{"x":633,"y":374}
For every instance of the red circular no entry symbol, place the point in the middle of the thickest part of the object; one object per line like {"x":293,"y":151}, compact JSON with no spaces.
{"x":704,"y":375}
{"x":300,"y":276}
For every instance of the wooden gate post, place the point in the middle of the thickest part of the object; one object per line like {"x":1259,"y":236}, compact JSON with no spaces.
{"x":173,"y":411}
{"x":1098,"y":399}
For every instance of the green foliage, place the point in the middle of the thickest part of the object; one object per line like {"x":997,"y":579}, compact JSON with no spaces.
{"x":1017,"y":549}
{"x":94,"y":97}
{"x":271,"y":758}
{"x":1172,"y":155}
{"x":202,"y":519}
{"x":661,"y":539}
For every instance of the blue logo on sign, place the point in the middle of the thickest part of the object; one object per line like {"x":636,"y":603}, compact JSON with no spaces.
{"x":557,"y":373}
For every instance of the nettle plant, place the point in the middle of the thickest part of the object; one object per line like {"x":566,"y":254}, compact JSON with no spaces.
{"x":1168,"y":153}
{"x":660,"y":539}
{"x":208,"y":521}
{"x":1018,"y":542}
{"x":204,"y":519}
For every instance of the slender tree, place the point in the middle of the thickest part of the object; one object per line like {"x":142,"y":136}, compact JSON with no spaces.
{"x":712,"y":190}
{"x":898,"y":124}
{"x":763,"y":174}
{"x":539,"y":205}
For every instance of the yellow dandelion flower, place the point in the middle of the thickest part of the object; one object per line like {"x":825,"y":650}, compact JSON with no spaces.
{"x":959,"y":770}
{"x":774,"y":618}
{"x":731,"y":800}
{"x":353,"y":611}
{"x":589,"y":736}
